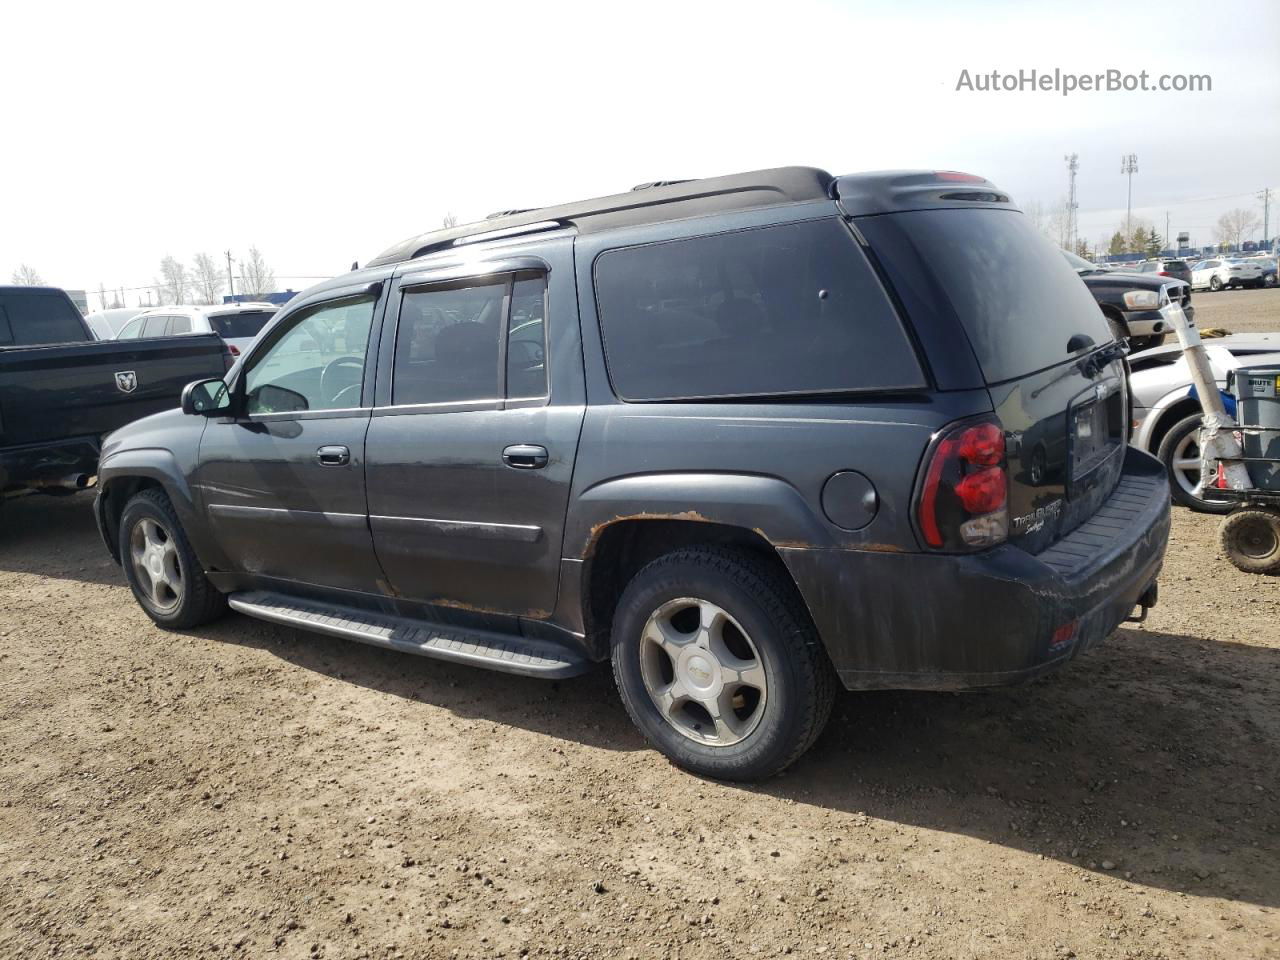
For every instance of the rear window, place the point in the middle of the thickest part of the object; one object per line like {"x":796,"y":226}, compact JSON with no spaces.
{"x":1017,"y":298}
{"x":27,"y":319}
{"x":789,"y":309}
{"x":1175,"y":265}
{"x":240,"y":326}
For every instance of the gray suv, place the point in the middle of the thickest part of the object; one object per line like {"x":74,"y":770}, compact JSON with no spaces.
{"x":750,"y":438}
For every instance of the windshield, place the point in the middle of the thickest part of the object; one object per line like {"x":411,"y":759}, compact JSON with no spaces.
{"x":1018,"y":301}
{"x":240,"y":326}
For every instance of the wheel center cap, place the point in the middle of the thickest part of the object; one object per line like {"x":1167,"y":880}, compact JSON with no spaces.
{"x":701,"y":671}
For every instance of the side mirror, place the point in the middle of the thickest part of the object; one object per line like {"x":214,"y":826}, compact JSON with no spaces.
{"x":206,"y":398}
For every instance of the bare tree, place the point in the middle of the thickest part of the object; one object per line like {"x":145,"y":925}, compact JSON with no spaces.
{"x":1034,"y":212}
{"x":257,"y":277}
{"x":26,"y":276}
{"x":1235,"y":225}
{"x":448,"y":221}
{"x":207,"y":278}
{"x":173,"y":281}
{"x":1058,"y":225}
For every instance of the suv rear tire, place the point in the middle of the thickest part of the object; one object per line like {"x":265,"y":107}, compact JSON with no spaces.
{"x":719,"y":665}
{"x":1176,"y":445}
{"x":160,"y":566}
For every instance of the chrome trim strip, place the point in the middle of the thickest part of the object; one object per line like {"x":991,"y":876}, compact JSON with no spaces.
{"x":237,"y":511}
{"x":458,"y":528}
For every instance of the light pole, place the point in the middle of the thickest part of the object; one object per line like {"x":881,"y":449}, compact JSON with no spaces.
{"x":1072,"y":166}
{"x":1129,"y":166}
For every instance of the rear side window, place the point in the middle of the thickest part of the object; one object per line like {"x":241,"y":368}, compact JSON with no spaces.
{"x":789,"y":309}
{"x":154,"y":326}
{"x":36,"y":318}
{"x":240,"y":326}
{"x":180,"y":325}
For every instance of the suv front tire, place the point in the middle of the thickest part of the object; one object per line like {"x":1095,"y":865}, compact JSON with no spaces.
{"x":160,"y":566}
{"x":719,"y":665}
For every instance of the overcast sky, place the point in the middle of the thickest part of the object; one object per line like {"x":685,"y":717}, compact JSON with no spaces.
{"x":325,"y":132}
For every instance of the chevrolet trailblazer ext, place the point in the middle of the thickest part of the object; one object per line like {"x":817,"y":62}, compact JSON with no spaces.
{"x":748,"y":437}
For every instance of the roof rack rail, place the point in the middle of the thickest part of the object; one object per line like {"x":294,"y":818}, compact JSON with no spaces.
{"x":508,"y":213}
{"x":523,"y":228}
{"x":654,"y":202}
{"x":657,"y":183}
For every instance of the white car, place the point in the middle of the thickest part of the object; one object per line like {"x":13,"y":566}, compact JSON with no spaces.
{"x":1166,"y":418}
{"x":236,"y":323}
{"x":1220,"y":272}
{"x":105,"y":324}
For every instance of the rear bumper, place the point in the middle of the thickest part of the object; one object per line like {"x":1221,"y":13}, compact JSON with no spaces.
{"x":1144,"y":323}
{"x":942,"y":622}
{"x":49,"y":465}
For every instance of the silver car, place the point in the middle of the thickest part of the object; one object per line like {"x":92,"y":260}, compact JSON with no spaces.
{"x":1166,"y":418}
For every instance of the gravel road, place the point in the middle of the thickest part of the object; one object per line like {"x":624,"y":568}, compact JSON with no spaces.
{"x":244,"y":790}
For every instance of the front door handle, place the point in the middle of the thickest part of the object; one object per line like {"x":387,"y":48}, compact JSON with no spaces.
{"x":334,"y":455}
{"x":525,"y":456}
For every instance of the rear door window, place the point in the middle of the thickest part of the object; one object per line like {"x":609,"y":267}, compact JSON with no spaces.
{"x":788,"y":309}
{"x":447,"y":343}
{"x":155,"y":326}
{"x":179,"y":325}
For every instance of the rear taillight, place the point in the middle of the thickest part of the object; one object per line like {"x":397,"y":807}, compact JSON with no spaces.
{"x":1164,"y":273}
{"x":235,"y":351}
{"x":963,"y":503}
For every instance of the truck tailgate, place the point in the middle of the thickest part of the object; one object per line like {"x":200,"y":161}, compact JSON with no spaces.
{"x":80,"y":389}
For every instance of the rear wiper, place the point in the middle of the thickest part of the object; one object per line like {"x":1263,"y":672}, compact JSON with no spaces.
{"x":1089,"y":365}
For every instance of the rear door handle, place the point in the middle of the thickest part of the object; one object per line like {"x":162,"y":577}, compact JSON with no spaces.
{"x":525,"y":456}
{"x":334,"y":455}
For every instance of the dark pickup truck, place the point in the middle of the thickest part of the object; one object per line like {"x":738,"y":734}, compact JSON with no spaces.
{"x":61,"y":390}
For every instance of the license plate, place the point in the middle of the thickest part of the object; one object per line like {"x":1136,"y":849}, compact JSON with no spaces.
{"x":1089,"y":436}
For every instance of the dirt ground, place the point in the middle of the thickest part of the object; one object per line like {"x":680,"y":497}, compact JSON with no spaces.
{"x":245,"y":790}
{"x":1240,"y":311}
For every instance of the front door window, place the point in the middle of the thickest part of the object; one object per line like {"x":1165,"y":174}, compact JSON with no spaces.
{"x":318,"y":364}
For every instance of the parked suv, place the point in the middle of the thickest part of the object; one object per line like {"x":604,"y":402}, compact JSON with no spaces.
{"x":749,"y":438}
{"x":236,"y":323}
{"x":1178,"y":269}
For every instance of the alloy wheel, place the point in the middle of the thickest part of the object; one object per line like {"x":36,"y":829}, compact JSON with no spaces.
{"x":1186,"y":463}
{"x":155,"y":564}
{"x":703,"y":672}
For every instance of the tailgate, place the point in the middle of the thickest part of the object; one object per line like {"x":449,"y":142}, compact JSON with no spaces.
{"x":48,"y":393}
{"x":1041,"y":345}
{"x":1065,"y":436}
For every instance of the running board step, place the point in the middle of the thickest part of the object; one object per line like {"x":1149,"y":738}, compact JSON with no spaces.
{"x":478,"y":648}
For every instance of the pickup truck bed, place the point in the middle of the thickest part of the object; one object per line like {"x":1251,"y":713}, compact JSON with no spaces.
{"x":57,"y":400}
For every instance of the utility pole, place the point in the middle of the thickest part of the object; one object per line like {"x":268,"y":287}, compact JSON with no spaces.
{"x":1166,"y":229}
{"x":1128,"y":167}
{"x":1265,"y":197}
{"x":1072,"y":166}
{"x":231,"y":283}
